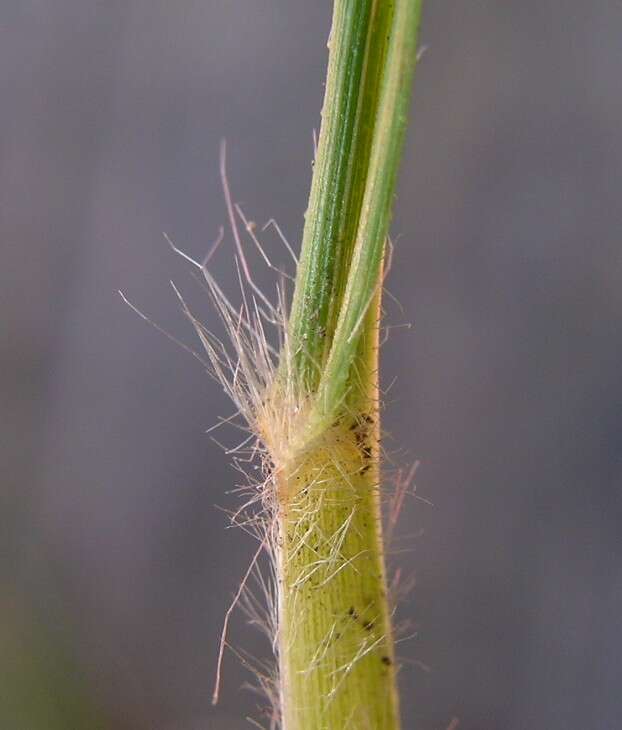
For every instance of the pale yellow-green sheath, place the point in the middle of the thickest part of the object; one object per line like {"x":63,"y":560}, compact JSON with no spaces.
{"x":337,"y":661}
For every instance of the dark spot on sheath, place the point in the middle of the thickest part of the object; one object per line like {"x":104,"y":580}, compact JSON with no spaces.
{"x":367,"y":452}
{"x":386,"y":660}
{"x":368,"y":625}
{"x":353,"y":613}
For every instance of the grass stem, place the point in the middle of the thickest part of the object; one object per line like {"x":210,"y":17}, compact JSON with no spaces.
{"x":336,"y":652}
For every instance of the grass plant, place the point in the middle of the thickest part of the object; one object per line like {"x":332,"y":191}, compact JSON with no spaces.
{"x":310,"y":402}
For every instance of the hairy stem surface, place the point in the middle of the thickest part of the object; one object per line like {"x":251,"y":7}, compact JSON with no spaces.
{"x":338,"y":667}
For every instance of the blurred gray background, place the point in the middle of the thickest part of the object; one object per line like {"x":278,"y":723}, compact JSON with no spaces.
{"x":115,"y":565}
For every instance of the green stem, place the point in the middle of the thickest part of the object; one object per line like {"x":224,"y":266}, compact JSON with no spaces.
{"x":357,"y":49}
{"x":335,"y":641}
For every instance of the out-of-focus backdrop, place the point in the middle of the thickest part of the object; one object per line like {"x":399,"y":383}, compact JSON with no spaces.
{"x":116,"y":566}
